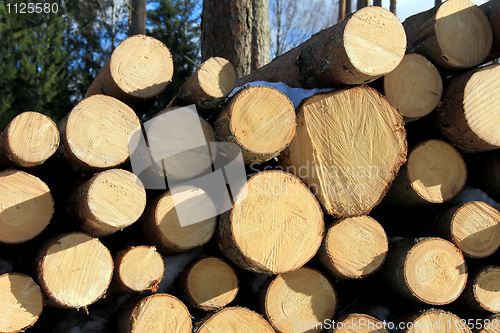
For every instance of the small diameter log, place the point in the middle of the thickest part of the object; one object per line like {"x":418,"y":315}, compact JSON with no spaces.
{"x":107,"y":202}
{"x":365,"y":46}
{"x":22,"y":302}
{"x":140,"y":67}
{"x":158,"y":313}
{"x":414,"y":87}
{"x":95,"y":134}
{"x":235,"y":320}
{"x":301,"y":296}
{"x":26,"y":206}
{"x":429,"y":321}
{"x":165,"y":225}
{"x":348,"y":148}
{"x":468,"y":117}
{"x":492,"y":11}
{"x":74,"y":270}
{"x":452,"y":36}
{"x":276,"y":225}
{"x":483,"y":290}
{"x":435,"y":173}
{"x":428,"y":270}
{"x":358,"y":323}
{"x":28,"y":140}
{"x":209,"y":284}
{"x":484,"y":172}
{"x":261,"y":120}
{"x":353,"y":247}
{"x":137,"y":269}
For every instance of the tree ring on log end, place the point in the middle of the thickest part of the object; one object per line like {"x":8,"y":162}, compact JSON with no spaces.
{"x":485,"y":288}
{"x":235,"y":320}
{"x":220,"y":85}
{"x":359,"y":323}
{"x":436,"y":321}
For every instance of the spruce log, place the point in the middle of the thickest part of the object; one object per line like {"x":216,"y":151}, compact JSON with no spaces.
{"x":482,"y":290}
{"x":365,"y":46}
{"x":235,"y":320}
{"x":163,"y":228}
{"x":302,"y":296}
{"x":431,"y":320}
{"x":28,"y":140}
{"x":358,"y":323}
{"x":348,"y":148}
{"x":485,"y":172}
{"x":454,"y":35}
{"x":22,"y":302}
{"x":140,"y":68}
{"x":26,"y":206}
{"x":414,"y":87}
{"x":492,"y":11}
{"x":137,"y":269}
{"x":435,"y":173}
{"x":109,"y":201}
{"x":428,"y":270}
{"x":467,"y":117}
{"x":209,"y":284}
{"x":276,"y":225}
{"x":158,"y":313}
{"x":261,"y":120}
{"x":74,"y":270}
{"x":353,"y":247}
{"x":95,"y":134}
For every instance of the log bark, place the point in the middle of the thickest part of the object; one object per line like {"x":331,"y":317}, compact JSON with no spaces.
{"x":414,"y":87}
{"x":353,"y":247}
{"x":351,"y":173}
{"x":235,"y":320}
{"x":435,"y":173}
{"x":304,"y":295}
{"x":108,"y":202}
{"x":492,"y":11}
{"x":293,"y":217}
{"x":428,"y":270}
{"x":74,"y":270}
{"x":358,"y":323}
{"x":260,"y":34}
{"x":468,"y":121}
{"x":26,"y":206}
{"x":28,"y":141}
{"x":139,"y":69}
{"x":481,"y":292}
{"x":431,"y":320}
{"x":209,"y":284}
{"x":22,"y":302}
{"x":453,"y":36}
{"x":261,"y":120}
{"x":155,"y":314}
{"x":93,"y":140}
{"x":485,"y":172}
{"x":365,"y":46}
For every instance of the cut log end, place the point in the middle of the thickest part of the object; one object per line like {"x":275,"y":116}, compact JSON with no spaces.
{"x":216,"y":77}
{"x":435,"y":320}
{"x":235,"y":320}
{"x":26,"y":206}
{"x":485,"y":288}
{"x":353,"y":247}
{"x":304,"y":295}
{"x":414,"y":87}
{"x":74,"y":270}
{"x":359,"y":323}
{"x":22,"y":302}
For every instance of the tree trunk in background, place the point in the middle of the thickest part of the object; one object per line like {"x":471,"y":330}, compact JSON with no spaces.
{"x":138,"y":17}
{"x":348,"y":7}
{"x":260,"y":34}
{"x":393,"y":7}
{"x":437,"y":3}
{"x":377,"y":3}
{"x":342,"y":10}
{"x":226,"y":31}
{"x":363,"y":3}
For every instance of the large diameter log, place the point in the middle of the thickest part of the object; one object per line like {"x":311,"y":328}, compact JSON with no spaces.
{"x":348,"y":148}
{"x":467,"y":117}
{"x":452,"y":36}
{"x":261,"y":120}
{"x":414,"y":87}
{"x":357,"y":323}
{"x":485,"y":172}
{"x":167,"y":230}
{"x":276,"y":225}
{"x":492,"y":11}
{"x":28,"y":140}
{"x":353,"y":247}
{"x":365,"y":46}
{"x":209,"y":284}
{"x":140,"y":67}
{"x":109,"y":201}
{"x":235,"y":320}
{"x":431,"y":320}
{"x":26,"y":206}
{"x":74,"y":270}
{"x":491,"y":324}
{"x":157,"y":313}
{"x":434,"y":173}
{"x":22,"y":302}
{"x":301,"y":296}
{"x":95,"y":134}
{"x":481,"y":292}
{"x":429,"y":270}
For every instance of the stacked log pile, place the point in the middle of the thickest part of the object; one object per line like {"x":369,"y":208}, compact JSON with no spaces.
{"x":348,"y":217}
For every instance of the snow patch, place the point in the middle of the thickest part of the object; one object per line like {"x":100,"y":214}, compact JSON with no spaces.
{"x":469,"y":194}
{"x":5,"y":266}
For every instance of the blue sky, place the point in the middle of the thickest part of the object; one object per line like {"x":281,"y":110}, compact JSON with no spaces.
{"x":405,"y":8}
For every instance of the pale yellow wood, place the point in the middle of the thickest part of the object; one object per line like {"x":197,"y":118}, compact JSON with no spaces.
{"x":432,"y":321}
{"x":490,"y":325}
{"x":140,"y":268}
{"x":358,"y":323}
{"x":486,"y":289}
{"x":216,"y":77}
{"x":235,"y":320}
